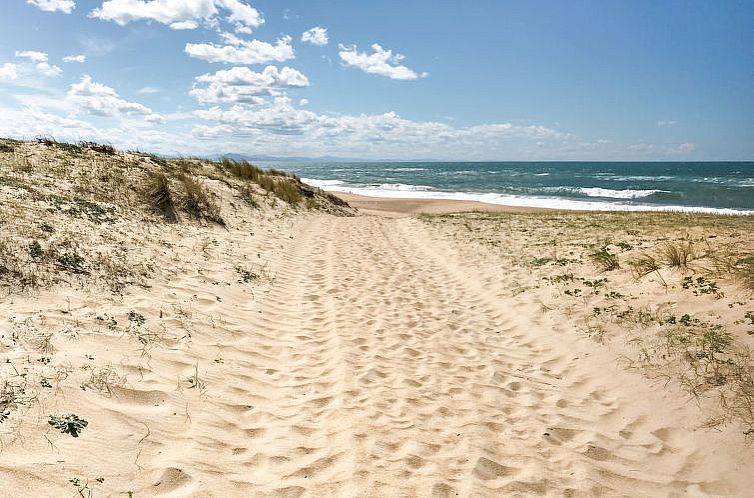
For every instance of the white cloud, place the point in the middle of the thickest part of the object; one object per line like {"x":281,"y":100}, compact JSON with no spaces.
{"x":184,"y":25}
{"x":242,"y":85}
{"x":180,"y":14}
{"x":303,"y":102}
{"x":281,"y":128}
{"x":316,"y":36}
{"x":101,"y":100}
{"x":41,"y":65}
{"x":32,"y":55}
{"x":75,"y":58}
{"x":242,"y":52}
{"x":47,"y":70}
{"x":65,"y":6}
{"x":662,"y":149}
{"x":381,"y":61}
{"x":8,"y":72}
{"x":667,"y":123}
{"x":148,"y":90}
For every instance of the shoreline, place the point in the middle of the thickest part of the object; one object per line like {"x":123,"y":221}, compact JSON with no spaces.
{"x":405,"y":206}
{"x":387,"y":206}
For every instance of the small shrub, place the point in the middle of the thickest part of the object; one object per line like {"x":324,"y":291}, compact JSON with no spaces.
{"x":35,"y":250}
{"x":246,"y":276}
{"x":136,"y":318}
{"x":701,"y":285}
{"x":71,"y":261}
{"x":68,"y":424}
{"x":101,"y":148}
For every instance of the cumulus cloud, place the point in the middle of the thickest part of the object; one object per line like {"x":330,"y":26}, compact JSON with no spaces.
{"x":48,"y":70}
{"x":8,"y":72}
{"x":282,"y":128}
{"x":65,"y":6}
{"x":181,"y":14}
{"x":32,"y":55}
{"x":75,"y":58}
{"x":380,"y":61}
{"x":316,"y":36}
{"x":242,"y":85}
{"x":40,"y":64}
{"x":239,"y":51}
{"x":101,"y":100}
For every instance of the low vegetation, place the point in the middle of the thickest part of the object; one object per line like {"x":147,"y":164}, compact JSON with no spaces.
{"x":672,"y":291}
{"x":46,"y":185}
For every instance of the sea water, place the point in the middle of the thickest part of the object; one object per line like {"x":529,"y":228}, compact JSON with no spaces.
{"x":717,"y":187}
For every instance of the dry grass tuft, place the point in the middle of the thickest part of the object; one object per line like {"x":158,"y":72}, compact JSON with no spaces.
{"x":160,"y":198}
{"x":287,"y":190}
{"x":242,"y":170}
{"x":198,"y":202}
{"x":708,"y":363}
{"x":643,"y":265}
{"x":604,"y":259}
{"x":678,"y":256}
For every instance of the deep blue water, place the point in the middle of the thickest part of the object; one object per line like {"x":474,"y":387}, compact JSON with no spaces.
{"x":702,"y":186}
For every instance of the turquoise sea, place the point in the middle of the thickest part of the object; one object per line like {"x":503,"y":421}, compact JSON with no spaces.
{"x":726,"y":187}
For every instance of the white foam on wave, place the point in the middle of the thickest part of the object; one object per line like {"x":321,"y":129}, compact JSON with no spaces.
{"x":617,"y":194}
{"x":323,"y":184}
{"x":512,"y":200}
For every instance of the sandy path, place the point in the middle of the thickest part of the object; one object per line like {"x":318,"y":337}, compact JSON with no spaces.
{"x":377,"y":367}
{"x":380,"y":360}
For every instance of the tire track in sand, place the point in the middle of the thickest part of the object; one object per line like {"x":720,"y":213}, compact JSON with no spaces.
{"x":378,"y":368}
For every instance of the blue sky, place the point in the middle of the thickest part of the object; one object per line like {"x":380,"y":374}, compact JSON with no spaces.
{"x":481,"y":80}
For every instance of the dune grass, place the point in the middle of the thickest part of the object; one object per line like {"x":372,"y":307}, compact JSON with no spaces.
{"x":160,"y":198}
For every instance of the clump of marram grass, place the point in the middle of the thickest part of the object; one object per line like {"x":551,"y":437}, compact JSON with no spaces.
{"x":643,"y":265}
{"x":678,"y":256}
{"x":606,"y":260}
{"x":160,"y":198}
{"x":198,"y":203}
{"x":242,"y":170}
{"x":287,"y":191}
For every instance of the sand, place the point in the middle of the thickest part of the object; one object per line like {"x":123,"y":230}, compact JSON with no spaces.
{"x":376,"y":355}
{"x":387,"y":206}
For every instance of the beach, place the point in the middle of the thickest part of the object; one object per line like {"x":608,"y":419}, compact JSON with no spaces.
{"x":270,"y":345}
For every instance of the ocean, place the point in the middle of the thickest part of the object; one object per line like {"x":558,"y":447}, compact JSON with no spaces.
{"x":715,"y":187}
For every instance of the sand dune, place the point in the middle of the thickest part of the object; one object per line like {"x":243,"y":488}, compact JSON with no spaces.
{"x":297,"y":353}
